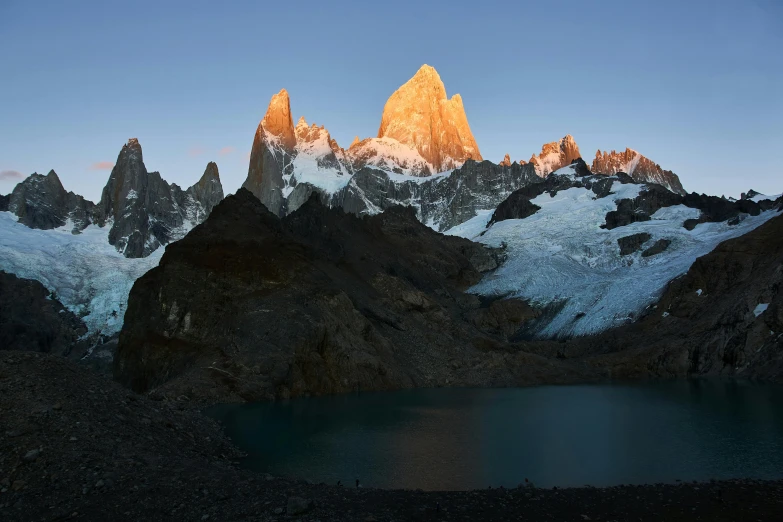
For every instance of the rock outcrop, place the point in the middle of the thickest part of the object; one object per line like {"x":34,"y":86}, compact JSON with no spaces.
{"x":638,"y":167}
{"x":32,"y":319}
{"x":420,"y":115}
{"x":555,"y":155}
{"x":506,"y":161}
{"x":42,"y":202}
{"x":630,"y":244}
{"x":655,"y":197}
{"x":145,"y":211}
{"x":442,"y":201}
{"x":318,"y":302}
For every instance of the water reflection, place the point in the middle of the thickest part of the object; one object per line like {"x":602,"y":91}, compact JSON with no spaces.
{"x":553,"y":435}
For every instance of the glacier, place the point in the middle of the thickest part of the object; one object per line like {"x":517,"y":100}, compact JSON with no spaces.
{"x":87,"y":274}
{"x":561,"y":259}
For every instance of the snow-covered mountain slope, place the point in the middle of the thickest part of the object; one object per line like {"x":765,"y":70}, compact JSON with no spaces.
{"x":560,"y":258}
{"x":389,"y":155}
{"x":90,"y":277}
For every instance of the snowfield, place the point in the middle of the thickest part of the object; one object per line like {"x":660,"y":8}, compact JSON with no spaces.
{"x":560,"y":256}
{"x":88,"y":275}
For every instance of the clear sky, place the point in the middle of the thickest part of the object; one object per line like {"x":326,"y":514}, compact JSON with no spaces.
{"x":695,"y":85}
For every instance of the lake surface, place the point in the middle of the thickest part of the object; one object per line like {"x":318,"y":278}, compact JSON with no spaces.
{"x":446,"y":439}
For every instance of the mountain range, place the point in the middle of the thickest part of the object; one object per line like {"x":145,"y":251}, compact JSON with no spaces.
{"x":548,"y":249}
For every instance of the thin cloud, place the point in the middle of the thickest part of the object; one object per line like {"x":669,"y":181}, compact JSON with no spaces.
{"x":102,"y":165}
{"x":10,"y":175}
{"x":226,"y":151}
{"x":195,"y":151}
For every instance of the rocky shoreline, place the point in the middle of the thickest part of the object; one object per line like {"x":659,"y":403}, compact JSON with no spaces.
{"x":77,"y":446}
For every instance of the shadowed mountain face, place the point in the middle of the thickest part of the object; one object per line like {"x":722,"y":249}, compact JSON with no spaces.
{"x":145,"y":211}
{"x":248,"y":306}
{"x":142,"y":210}
{"x":41,"y":202}
{"x":32,"y":319}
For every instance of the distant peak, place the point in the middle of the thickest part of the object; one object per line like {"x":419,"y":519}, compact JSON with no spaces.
{"x":211,"y":173}
{"x":302,"y":122}
{"x":555,"y":155}
{"x":133,"y":142}
{"x":506,"y":161}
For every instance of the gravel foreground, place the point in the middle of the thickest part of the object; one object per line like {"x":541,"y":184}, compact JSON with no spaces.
{"x":76,"y":446}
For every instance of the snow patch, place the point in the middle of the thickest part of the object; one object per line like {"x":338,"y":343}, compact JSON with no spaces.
{"x":760,"y":309}
{"x":758,"y":198}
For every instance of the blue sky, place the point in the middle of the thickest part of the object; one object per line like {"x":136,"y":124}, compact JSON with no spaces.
{"x":695,"y":86}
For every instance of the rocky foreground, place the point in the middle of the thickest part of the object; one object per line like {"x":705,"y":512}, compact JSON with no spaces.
{"x":76,"y":446}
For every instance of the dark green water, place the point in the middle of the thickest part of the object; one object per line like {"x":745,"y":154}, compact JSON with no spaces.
{"x":554,"y":435}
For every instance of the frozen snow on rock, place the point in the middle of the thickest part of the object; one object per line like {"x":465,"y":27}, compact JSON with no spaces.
{"x":88,"y":275}
{"x":758,"y":198}
{"x":311,"y":163}
{"x":391,"y":155}
{"x":760,"y":309}
{"x":560,"y":256}
{"x":472,"y":227}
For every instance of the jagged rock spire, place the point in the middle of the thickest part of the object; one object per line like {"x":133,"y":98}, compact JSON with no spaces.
{"x":506,"y":161}
{"x":555,"y":155}
{"x":420,"y":115}
{"x":145,"y":211}
{"x":277,"y":120}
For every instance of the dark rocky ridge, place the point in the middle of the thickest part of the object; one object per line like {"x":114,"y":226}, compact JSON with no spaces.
{"x":31,"y":318}
{"x":655,"y":197}
{"x":248,"y":306}
{"x":42,"y":202}
{"x":443,"y":201}
{"x":359,"y":303}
